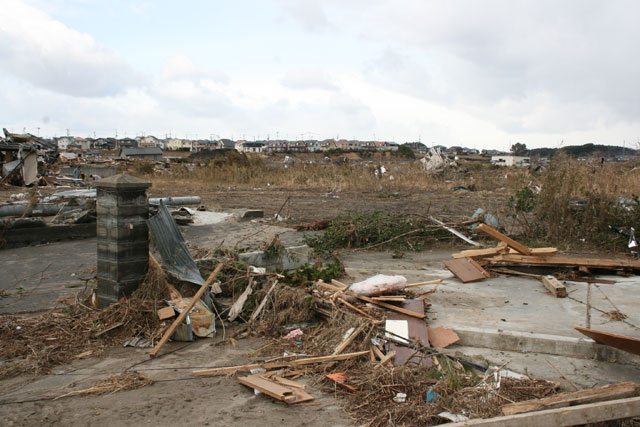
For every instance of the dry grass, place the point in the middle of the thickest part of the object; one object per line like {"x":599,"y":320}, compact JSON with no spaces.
{"x":35,"y":344}
{"x":579,"y":200}
{"x":408,"y":176}
{"x":113,"y":384}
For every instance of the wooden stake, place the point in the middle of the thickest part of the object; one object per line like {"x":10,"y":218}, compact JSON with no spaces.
{"x":186,"y":311}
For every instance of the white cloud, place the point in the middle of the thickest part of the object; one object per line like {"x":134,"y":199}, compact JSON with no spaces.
{"x":308,"y":79}
{"x":46,"y":53}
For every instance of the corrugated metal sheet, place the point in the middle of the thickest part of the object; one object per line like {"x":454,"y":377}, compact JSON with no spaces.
{"x":172,"y":248}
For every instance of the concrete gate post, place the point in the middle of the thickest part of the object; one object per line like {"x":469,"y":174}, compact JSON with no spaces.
{"x":123,"y":237}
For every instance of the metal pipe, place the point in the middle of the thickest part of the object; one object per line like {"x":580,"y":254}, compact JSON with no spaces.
{"x":41,"y":209}
{"x":176,"y":201}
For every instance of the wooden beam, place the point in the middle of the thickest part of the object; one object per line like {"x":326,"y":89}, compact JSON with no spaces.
{"x":492,"y":232}
{"x":349,"y":339}
{"x":559,"y":417}
{"x":598,"y":394}
{"x":282,"y":364}
{"x":568,"y":262}
{"x":554,"y":286}
{"x":479,"y":253}
{"x":542,"y":252}
{"x":186,"y":311}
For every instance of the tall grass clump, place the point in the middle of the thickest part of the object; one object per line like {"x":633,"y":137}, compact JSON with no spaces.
{"x":578,"y":201}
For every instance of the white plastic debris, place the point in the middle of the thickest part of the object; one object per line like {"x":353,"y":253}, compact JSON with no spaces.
{"x":453,"y":417}
{"x":400,"y":398}
{"x":378,"y":285}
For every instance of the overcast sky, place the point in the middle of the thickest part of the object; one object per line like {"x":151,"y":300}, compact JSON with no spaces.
{"x":482,"y":74}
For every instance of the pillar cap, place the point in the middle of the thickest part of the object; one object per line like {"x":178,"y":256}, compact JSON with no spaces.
{"x":123,"y":181}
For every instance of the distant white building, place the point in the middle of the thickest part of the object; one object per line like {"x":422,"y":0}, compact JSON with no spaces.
{"x":507,"y":160}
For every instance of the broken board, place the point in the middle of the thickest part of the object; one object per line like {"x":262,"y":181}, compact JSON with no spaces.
{"x":441,"y":337}
{"x":418,"y":333}
{"x":629,"y":344}
{"x":466,"y":269}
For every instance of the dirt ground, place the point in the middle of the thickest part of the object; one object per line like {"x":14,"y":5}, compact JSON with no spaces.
{"x":313,"y":205}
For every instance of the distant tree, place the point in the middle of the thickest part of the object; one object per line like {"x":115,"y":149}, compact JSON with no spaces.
{"x":406,"y":151}
{"x":519,"y":149}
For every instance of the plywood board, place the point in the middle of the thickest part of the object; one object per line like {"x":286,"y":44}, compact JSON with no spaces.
{"x":418,"y":333}
{"x":466,"y":269}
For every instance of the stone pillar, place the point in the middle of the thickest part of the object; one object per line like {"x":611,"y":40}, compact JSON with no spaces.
{"x":123,"y":237}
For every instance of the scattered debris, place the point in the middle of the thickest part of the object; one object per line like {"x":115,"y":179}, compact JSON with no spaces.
{"x":113,"y":384}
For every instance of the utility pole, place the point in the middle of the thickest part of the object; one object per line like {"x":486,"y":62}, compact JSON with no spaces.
{"x":68,"y":134}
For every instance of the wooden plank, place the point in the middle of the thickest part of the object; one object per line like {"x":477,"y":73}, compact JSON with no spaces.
{"x":541,"y":252}
{"x":598,"y":394}
{"x":418,"y":333}
{"x":561,"y":417}
{"x":492,"y":232}
{"x":282,"y":364}
{"x":466,"y":269}
{"x":390,"y":307}
{"x":166,"y":313}
{"x":270,"y":388}
{"x":352,"y":336}
{"x":454,"y":232}
{"x":322,"y":359}
{"x":479,"y":253}
{"x":289,"y":383}
{"x":428,"y":282}
{"x":186,"y":311}
{"x":567,"y":261}
{"x":354,"y":308}
{"x":629,"y":344}
{"x":554,"y":286}
{"x":372,"y":301}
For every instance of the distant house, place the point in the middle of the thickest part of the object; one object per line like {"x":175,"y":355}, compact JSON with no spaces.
{"x":507,"y":160}
{"x":149,"y":141}
{"x":226,"y":143}
{"x":250,"y":146}
{"x":142,"y":153}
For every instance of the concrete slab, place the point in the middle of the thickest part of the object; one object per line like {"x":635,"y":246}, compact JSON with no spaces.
{"x":34,"y":277}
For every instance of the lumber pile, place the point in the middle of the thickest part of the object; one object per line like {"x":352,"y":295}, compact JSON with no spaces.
{"x":510,"y":253}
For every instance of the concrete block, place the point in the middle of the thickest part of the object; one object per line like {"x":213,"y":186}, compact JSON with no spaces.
{"x":294,"y":257}
{"x":528,"y":342}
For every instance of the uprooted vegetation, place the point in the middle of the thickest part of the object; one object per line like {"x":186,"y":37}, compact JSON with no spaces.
{"x":377,"y":229}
